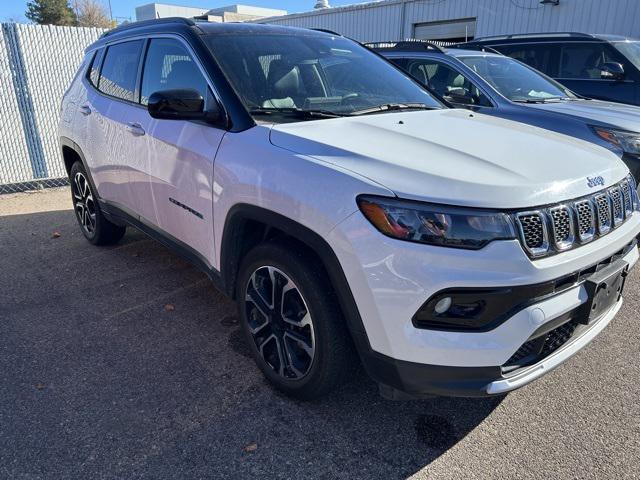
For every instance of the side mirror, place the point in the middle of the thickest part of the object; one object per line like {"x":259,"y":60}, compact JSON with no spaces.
{"x":183,"y":104}
{"x":459,"y":96}
{"x":612,"y":71}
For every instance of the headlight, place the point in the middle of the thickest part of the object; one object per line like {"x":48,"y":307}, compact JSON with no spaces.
{"x":629,"y":142}
{"x":436,"y":224}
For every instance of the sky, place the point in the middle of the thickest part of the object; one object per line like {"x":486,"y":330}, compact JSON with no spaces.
{"x":14,"y":9}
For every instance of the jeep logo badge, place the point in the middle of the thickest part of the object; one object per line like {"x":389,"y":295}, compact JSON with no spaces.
{"x":595,"y":181}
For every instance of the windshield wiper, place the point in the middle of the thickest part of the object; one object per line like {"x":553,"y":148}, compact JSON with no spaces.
{"x":541,"y":100}
{"x":297,"y":112}
{"x":391,"y":107}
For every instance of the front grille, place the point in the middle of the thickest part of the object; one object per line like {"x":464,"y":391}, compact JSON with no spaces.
{"x":541,"y":347}
{"x":561,"y":227}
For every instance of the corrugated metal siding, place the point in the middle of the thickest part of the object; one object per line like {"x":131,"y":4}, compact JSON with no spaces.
{"x":381,"y":20}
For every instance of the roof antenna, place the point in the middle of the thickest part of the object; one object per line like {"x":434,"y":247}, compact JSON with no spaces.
{"x":322,"y":4}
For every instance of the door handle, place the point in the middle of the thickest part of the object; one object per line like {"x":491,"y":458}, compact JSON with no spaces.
{"x":85,"y":110}
{"x":135,"y":129}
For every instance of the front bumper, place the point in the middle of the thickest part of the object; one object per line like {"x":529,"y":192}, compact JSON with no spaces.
{"x":400,"y":379}
{"x":391,"y":280}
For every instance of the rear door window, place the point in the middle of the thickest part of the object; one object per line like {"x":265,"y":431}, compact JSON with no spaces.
{"x":120,"y":70}
{"x":542,"y":57}
{"x":169,"y":66}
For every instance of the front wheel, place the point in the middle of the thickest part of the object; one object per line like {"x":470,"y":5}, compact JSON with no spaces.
{"x":95,"y":227}
{"x":292,"y":322}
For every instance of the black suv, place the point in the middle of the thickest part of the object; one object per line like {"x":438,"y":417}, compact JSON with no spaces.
{"x":606,"y":67}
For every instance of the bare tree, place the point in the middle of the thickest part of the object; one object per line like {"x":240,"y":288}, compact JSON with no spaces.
{"x":92,"y":13}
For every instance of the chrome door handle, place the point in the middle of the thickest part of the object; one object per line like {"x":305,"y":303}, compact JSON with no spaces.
{"x":135,"y":129}
{"x":85,"y":110}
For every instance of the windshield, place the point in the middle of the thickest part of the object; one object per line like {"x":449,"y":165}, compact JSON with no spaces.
{"x":631,"y":50}
{"x":320,"y":73}
{"x":514,"y":80}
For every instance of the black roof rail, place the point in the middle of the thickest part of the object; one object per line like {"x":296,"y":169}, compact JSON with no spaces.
{"x":411,"y":45}
{"x":325,"y":30}
{"x":539,"y":34}
{"x":144,"y":23}
{"x":481,"y":48}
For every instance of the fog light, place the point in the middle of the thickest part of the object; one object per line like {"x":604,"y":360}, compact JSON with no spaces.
{"x":443,"y":305}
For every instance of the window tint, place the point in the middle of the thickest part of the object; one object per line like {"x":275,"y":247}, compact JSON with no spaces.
{"x":120,"y":69}
{"x":94,"y":71}
{"x":446,"y":81}
{"x":541,"y":57}
{"x":586,"y":60}
{"x":169,"y":66}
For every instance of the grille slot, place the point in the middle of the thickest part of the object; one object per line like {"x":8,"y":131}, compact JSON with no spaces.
{"x":628,"y":198}
{"x":534,"y":232}
{"x":603,"y":210}
{"x":586,"y":220}
{"x":562,"y":223}
{"x":617,"y":205}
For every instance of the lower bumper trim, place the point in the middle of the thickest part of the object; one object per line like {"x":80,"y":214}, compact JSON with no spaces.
{"x":529,"y":374}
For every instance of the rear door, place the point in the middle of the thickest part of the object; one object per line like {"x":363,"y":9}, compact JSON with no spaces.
{"x":180,"y":153}
{"x":109,"y":108}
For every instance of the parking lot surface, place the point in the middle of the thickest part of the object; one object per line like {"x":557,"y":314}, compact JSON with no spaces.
{"x":125,"y":362}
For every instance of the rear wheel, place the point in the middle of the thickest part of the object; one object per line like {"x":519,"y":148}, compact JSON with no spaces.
{"x":292,"y":322}
{"x":95,"y":227}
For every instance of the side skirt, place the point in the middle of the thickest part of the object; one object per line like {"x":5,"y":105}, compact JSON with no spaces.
{"x":119,"y":214}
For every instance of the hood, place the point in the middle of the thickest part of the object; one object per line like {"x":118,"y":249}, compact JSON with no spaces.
{"x":617,"y":115}
{"x":456,"y":157}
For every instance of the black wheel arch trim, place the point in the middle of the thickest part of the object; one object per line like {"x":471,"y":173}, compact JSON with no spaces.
{"x":68,"y":143}
{"x":230,"y":254}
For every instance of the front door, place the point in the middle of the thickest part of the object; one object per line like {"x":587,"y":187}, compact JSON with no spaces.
{"x":581,"y":71}
{"x":180,"y":154}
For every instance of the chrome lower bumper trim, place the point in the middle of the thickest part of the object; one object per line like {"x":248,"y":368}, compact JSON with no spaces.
{"x":562,"y":355}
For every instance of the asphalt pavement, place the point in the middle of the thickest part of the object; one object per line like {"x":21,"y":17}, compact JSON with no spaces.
{"x":125,"y":362}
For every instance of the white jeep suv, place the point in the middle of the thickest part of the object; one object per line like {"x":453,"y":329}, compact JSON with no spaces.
{"x":346,"y":209}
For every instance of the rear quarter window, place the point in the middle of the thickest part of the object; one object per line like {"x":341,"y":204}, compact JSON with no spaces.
{"x":94,"y":70}
{"x":544,"y":57}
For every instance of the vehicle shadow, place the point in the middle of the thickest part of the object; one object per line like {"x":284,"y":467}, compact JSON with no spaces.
{"x":129,"y":363}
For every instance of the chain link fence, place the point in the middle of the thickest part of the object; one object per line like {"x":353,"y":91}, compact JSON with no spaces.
{"x":37,"y":63}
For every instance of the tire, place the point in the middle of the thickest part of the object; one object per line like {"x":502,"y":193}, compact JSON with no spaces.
{"x":310,"y":321}
{"x":95,"y":227}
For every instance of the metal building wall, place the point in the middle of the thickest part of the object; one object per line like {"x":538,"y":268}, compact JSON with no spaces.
{"x":37,"y":64}
{"x":383,"y":20}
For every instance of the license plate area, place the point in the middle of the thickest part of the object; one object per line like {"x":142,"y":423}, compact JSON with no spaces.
{"x":605,"y":289}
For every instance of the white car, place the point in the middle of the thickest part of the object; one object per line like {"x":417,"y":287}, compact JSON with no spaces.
{"x":347,"y":210}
